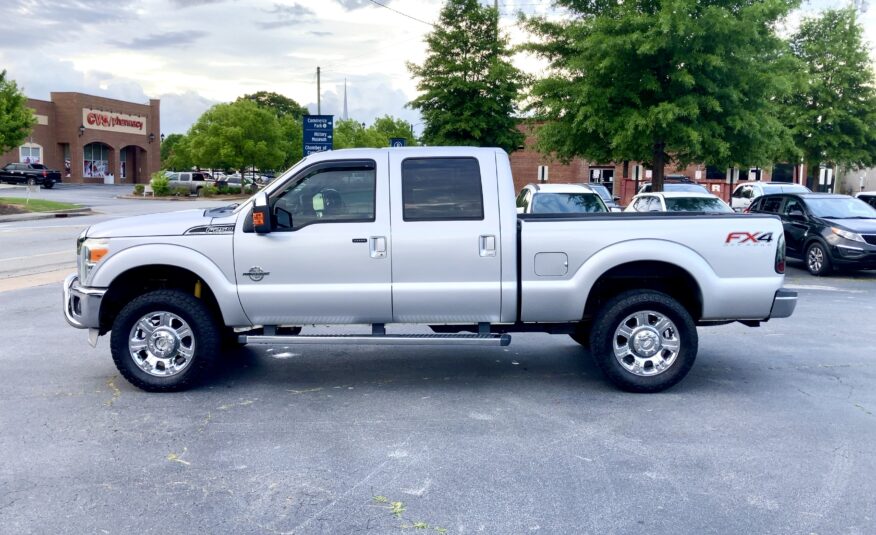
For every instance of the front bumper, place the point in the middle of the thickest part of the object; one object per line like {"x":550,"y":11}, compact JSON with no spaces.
{"x":784,"y":303}
{"x":81,"y":304}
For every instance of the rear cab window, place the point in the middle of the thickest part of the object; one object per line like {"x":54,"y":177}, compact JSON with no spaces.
{"x":442,"y":189}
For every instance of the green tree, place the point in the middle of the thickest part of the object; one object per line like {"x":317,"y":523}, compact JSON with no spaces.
{"x":16,"y":119}
{"x":469,"y":88}
{"x":387,"y":127}
{"x":655,"y":81}
{"x":279,"y":104}
{"x":833,"y":112}
{"x":351,"y":133}
{"x":293,"y":134}
{"x":175,"y":152}
{"x":237,"y":135}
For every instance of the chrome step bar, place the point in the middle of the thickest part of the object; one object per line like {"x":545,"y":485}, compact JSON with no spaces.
{"x":381,"y":339}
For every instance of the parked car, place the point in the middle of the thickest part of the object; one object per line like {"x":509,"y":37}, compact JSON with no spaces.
{"x":825,"y":230}
{"x":190,"y":182}
{"x":611,"y":202}
{"x":559,"y":199}
{"x":868,"y":197}
{"x":236,"y":181}
{"x":30,"y":173}
{"x":744,"y":194}
{"x":676,"y":186}
{"x":424,"y":236}
{"x":678,"y":201}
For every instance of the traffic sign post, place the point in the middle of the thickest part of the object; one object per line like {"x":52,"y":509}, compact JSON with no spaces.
{"x":398,"y":141}
{"x":318,"y":133}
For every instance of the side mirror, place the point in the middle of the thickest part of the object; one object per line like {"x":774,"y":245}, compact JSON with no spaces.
{"x":261,"y":214}
{"x":616,"y":198}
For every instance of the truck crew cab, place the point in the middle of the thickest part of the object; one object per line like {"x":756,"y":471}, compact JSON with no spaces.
{"x":418,"y":236}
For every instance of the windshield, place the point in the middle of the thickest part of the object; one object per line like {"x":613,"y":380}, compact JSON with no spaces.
{"x":785,"y":188}
{"x":602,"y":191}
{"x":840,"y":208}
{"x":567,"y":203}
{"x":697,"y":204}
{"x":685,"y":187}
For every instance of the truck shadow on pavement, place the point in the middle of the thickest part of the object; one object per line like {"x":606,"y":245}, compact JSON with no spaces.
{"x":307,"y":367}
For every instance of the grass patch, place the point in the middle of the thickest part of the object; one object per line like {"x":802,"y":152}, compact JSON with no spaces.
{"x":37,"y":205}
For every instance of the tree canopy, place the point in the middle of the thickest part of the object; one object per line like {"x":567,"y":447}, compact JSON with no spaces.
{"x":351,"y":133}
{"x":833,"y":109}
{"x":16,"y":119}
{"x":175,"y":152}
{"x":238,"y":135}
{"x":280,"y":105}
{"x":468,"y":86}
{"x":682,"y":80}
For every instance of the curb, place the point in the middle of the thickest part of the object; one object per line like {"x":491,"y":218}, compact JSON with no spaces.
{"x":34,"y":216}
{"x":183,"y":199}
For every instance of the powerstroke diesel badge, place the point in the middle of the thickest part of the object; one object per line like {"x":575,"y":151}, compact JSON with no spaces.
{"x":256,"y":274}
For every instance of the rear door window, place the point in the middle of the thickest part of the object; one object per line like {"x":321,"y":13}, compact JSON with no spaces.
{"x":771,"y":205}
{"x":442,"y":189}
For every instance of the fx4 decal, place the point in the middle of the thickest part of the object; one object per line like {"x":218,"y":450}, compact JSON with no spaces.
{"x":753,"y":238}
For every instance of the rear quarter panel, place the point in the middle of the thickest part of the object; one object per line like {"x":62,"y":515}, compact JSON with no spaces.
{"x":731,"y":257}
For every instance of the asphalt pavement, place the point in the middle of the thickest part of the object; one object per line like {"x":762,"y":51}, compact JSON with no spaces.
{"x":771,"y":432}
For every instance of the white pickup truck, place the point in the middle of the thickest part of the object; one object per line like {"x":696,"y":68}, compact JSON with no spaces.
{"x":426,"y":236}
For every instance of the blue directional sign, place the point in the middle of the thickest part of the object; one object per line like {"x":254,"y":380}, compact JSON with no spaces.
{"x":398,"y":141}
{"x":318,"y":133}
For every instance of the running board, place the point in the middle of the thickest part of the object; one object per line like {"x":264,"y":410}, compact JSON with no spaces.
{"x":382,"y":339}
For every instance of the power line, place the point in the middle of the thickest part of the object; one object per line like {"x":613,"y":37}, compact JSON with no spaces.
{"x":400,"y":13}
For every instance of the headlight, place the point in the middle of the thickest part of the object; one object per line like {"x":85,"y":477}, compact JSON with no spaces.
{"x":853,"y":236}
{"x":91,"y":251}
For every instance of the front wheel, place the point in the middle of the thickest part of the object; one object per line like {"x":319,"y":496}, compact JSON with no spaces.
{"x":644,"y":341}
{"x":817,"y":260}
{"x":48,"y":183}
{"x":165,"y":340}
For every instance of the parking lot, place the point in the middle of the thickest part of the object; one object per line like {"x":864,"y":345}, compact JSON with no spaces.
{"x":770,"y":433}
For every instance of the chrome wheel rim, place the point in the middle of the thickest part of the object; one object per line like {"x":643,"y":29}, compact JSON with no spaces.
{"x":161,"y":344}
{"x":816,"y":259}
{"x":646,"y":343}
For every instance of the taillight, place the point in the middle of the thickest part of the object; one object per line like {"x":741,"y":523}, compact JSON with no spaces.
{"x":780,"y":255}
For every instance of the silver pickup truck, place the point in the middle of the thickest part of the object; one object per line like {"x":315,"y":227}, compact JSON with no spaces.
{"x":426,"y":236}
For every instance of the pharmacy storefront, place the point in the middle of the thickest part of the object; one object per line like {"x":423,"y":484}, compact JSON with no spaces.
{"x":92,"y":139}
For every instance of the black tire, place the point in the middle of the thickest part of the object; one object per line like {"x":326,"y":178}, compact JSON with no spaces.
{"x":610,"y":318}
{"x":206,"y":337}
{"x":48,"y":183}
{"x":818,"y":260}
{"x":582,"y":333}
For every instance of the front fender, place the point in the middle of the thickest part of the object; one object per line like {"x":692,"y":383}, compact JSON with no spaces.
{"x":207,"y":270}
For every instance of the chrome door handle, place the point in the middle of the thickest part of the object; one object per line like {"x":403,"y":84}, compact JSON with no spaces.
{"x":487,"y":245}
{"x":377,"y":246}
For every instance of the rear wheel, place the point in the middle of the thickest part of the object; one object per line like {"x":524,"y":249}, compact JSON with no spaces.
{"x":48,"y":183}
{"x":817,"y":260}
{"x":644,"y":341}
{"x":165,"y":340}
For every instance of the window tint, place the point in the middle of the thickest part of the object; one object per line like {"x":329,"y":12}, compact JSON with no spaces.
{"x":567,"y":203}
{"x":522,"y":201}
{"x":771,"y":204}
{"x":440,"y":189}
{"x":328,"y":193}
{"x":869,"y":199}
{"x":696,"y":204}
{"x":791,"y":205}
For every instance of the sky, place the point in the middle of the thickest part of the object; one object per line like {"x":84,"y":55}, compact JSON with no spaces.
{"x":192,"y":54}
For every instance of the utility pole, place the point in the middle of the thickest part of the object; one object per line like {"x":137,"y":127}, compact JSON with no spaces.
{"x":318,"y":94}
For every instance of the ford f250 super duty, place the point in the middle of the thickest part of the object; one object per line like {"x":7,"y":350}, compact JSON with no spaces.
{"x":426,"y":236}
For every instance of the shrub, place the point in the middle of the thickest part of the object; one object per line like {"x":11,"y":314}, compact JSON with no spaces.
{"x":208,"y":191}
{"x":160,"y":184}
{"x":138,"y":189}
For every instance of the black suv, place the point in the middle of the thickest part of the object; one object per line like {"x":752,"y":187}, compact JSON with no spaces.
{"x":30,"y":173}
{"x":824,"y":230}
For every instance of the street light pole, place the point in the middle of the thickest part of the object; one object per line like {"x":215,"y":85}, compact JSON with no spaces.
{"x":318,"y":94}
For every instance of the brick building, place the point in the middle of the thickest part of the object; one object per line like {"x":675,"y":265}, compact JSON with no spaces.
{"x":528,"y":166}
{"x":93,"y":139}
